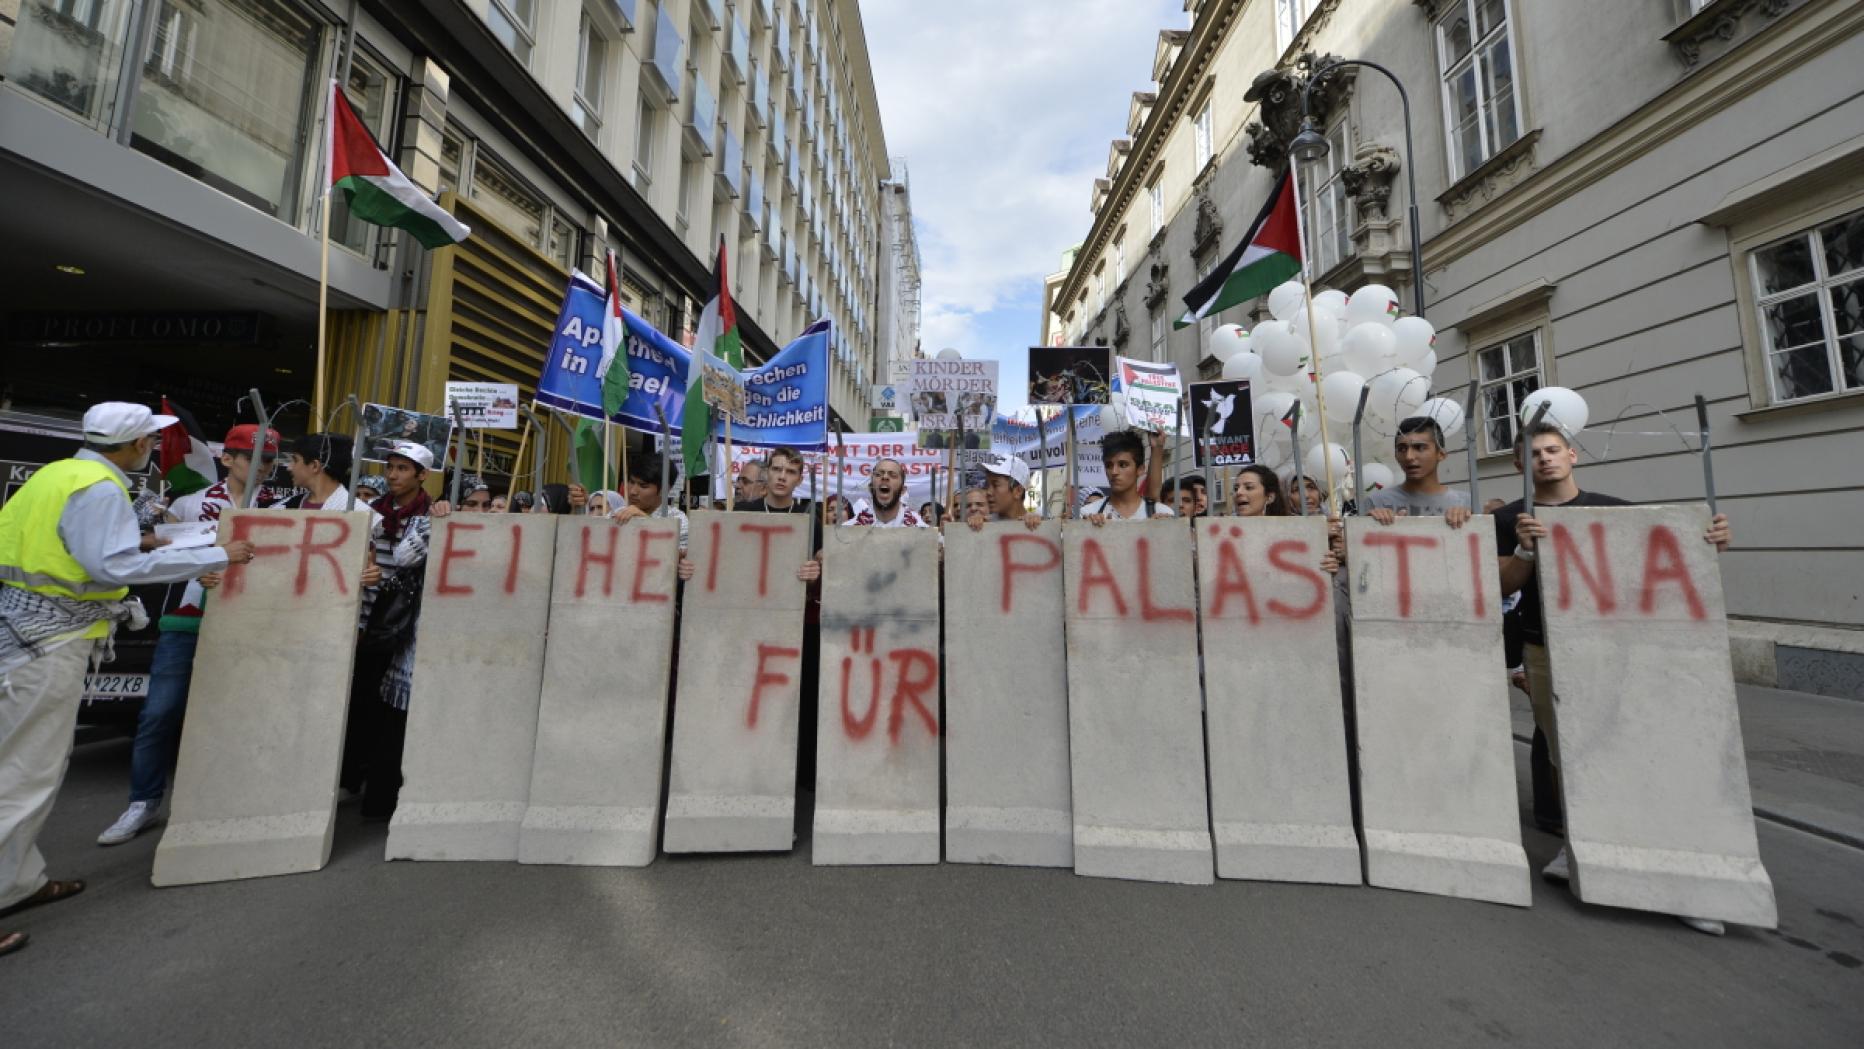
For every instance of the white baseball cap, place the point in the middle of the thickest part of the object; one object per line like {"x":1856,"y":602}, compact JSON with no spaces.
{"x":418,"y":454}
{"x":120,"y":422}
{"x":1005,"y":465}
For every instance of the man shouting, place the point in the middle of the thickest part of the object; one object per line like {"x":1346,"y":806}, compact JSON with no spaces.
{"x":887,"y":484}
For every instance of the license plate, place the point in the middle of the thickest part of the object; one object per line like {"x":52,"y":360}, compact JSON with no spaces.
{"x":115,"y":686}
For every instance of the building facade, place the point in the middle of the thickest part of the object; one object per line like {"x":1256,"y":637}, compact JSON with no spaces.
{"x":173,"y":154}
{"x":901,"y":277}
{"x":1642,"y":200}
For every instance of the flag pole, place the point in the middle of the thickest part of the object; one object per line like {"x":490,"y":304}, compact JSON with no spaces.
{"x":323,"y":261}
{"x":1314,"y":372}
{"x":524,"y":438}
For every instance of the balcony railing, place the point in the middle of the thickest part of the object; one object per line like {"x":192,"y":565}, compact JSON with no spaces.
{"x":701,"y":118}
{"x":664,"y":64}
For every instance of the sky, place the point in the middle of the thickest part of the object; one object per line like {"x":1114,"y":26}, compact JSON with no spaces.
{"x":1003,"y":111}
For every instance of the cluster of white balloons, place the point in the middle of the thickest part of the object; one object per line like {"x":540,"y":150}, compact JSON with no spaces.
{"x":1362,"y":343}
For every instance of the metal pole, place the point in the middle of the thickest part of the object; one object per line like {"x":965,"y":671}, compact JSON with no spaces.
{"x":1068,"y":500}
{"x":666,"y":439}
{"x":1469,"y":446}
{"x":1294,"y":436}
{"x":841,"y":466}
{"x":1359,"y":470}
{"x":258,"y":452}
{"x":1708,"y":460}
{"x":1527,"y":460}
{"x":459,"y":458}
{"x":1177,"y":424}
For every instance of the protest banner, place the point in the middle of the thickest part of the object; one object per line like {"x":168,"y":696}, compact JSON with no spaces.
{"x":1070,"y":375}
{"x":254,"y":791}
{"x":1008,"y":792}
{"x":1430,"y":687}
{"x":786,"y":399}
{"x":484,"y":405}
{"x":1657,"y":819}
{"x":1281,"y":802}
{"x":478,"y":671}
{"x":385,"y":426}
{"x":732,"y":784}
{"x":1016,"y":434}
{"x":1222,"y":426}
{"x":723,"y":388}
{"x":877,"y":723}
{"x":848,"y":469}
{"x":1136,"y":735}
{"x":596,"y":774}
{"x":945,"y":394}
{"x":1152,"y":393}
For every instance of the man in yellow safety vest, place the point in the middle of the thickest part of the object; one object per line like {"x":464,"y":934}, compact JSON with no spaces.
{"x":70,"y":549}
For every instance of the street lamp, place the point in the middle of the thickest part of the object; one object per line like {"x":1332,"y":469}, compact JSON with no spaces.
{"x":1311,"y":145}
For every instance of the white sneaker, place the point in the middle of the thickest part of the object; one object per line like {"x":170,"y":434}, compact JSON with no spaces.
{"x":134,"y":820}
{"x":1704,"y":925}
{"x":1557,"y":870}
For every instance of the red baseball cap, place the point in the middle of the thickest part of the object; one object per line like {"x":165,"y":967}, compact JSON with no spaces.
{"x":240,"y":438}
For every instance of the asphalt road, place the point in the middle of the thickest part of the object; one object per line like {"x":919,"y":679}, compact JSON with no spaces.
{"x":769,"y":951}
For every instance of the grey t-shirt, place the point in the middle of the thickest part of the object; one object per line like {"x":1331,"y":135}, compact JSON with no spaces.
{"x":1402,"y":502}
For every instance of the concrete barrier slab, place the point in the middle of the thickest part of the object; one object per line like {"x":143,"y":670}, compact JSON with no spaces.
{"x":1280,"y":797}
{"x":1658,"y":811}
{"x":1436,"y":758}
{"x":255,"y":789}
{"x":478,"y":671}
{"x":1136,"y":734}
{"x":877,"y":730}
{"x":602,"y":719}
{"x":732,"y":783}
{"x":1007,"y":787}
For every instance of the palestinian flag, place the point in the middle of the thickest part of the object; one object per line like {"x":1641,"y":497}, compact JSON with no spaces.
{"x":187,"y":463}
{"x":375,"y":188}
{"x":717,"y":335}
{"x":1269,"y":254}
{"x":613,"y":368}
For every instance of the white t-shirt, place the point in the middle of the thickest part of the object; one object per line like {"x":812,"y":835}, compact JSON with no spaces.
{"x":903,"y":517}
{"x":1148,"y":508}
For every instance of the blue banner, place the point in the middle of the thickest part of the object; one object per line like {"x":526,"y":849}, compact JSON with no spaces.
{"x":786,"y":399}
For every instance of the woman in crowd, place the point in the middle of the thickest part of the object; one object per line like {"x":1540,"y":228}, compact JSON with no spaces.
{"x":1259,"y":493}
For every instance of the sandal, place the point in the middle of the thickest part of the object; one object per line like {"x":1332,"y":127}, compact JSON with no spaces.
{"x":50,"y":892}
{"x":13,"y":941}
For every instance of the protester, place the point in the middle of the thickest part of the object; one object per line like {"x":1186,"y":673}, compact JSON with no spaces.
{"x":230,"y":491}
{"x":1200,"y":494}
{"x":645,"y":499}
{"x":1313,"y":498}
{"x":1259,"y":493}
{"x":887,"y":485}
{"x":319,"y":466}
{"x":1006,"y":487}
{"x":70,"y":549}
{"x":370,"y":487}
{"x":972,"y":502}
{"x":521,"y":502}
{"x":378,"y":715}
{"x":605,"y":501}
{"x":475,"y":495}
{"x":1418,"y":446}
{"x":500,"y":504}
{"x":1124,"y":456}
{"x":553,"y":499}
{"x":749,"y":485}
{"x":1550,"y":455}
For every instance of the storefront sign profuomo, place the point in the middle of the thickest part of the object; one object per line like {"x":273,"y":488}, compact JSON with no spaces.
{"x":188,"y":326}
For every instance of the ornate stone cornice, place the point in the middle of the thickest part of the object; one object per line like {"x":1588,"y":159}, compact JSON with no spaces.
{"x":1277,"y":93}
{"x":1719,"y":21}
{"x":1369,"y":179}
{"x":1157,"y":284}
{"x":1122,"y":329}
{"x":1209,"y":228}
{"x":1496,"y":176}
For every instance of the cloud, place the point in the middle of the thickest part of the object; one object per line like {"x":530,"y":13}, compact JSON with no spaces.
{"x":1003,"y":110}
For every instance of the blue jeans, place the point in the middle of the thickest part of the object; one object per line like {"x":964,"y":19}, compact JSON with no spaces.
{"x":158,"y":728}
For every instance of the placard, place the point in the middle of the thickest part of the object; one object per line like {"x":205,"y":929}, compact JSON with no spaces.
{"x":484,"y":405}
{"x":1153,"y":394}
{"x":944,"y":394}
{"x":1070,"y":375}
{"x":1221,"y":423}
{"x":384,"y":427}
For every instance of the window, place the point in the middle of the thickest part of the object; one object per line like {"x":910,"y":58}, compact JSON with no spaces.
{"x":70,"y":53}
{"x":1200,"y":139}
{"x":1160,"y":326}
{"x":564,"y":238}
{"x":227,"y":94}
{"x":1100,"y":292}
{"x":510,"y":21}
{"x":1119,"y":258}
{"x":1509,"y":371}
{"x":1324,"y":212}
{"x":1809,"y":293}
{"x":1208,"y":323}
{"x":1155,"y":194}
{"x":373,"y":92}
{"x":690,"y":171}
{"x":591,"y":57}
{"x":504,"y":196}
{"x":1290,"y":16}
{"x":646,"y":128}
{"x":453,"y":164}
{"x":1480,"y":105}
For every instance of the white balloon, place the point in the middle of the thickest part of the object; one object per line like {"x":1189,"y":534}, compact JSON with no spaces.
{"x":1374,"y":303}
{"x":1369,"y":348}
{"x":1397,"y":394}
{"x":1414,"y":337}
{"x":1565,"y":409}
{"x":1323,"y":337}
{"x":1228,"y":340}
{"x":1286,"y":300}
{"x":1447,"y":413}
{"x":1341,"y":389}
{"x":949,"y":354}
{"x":1374,"y":476}
{"x":1315,"y":461}
{"x":1428,"y":366}
{"x":1112,"y":417}
{"x":1283,"y":353}
{"x":1244,"y":365}
{"x":1290,"y":383}
{"x":1269,"y":408}
{"x":1332,"y":303}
